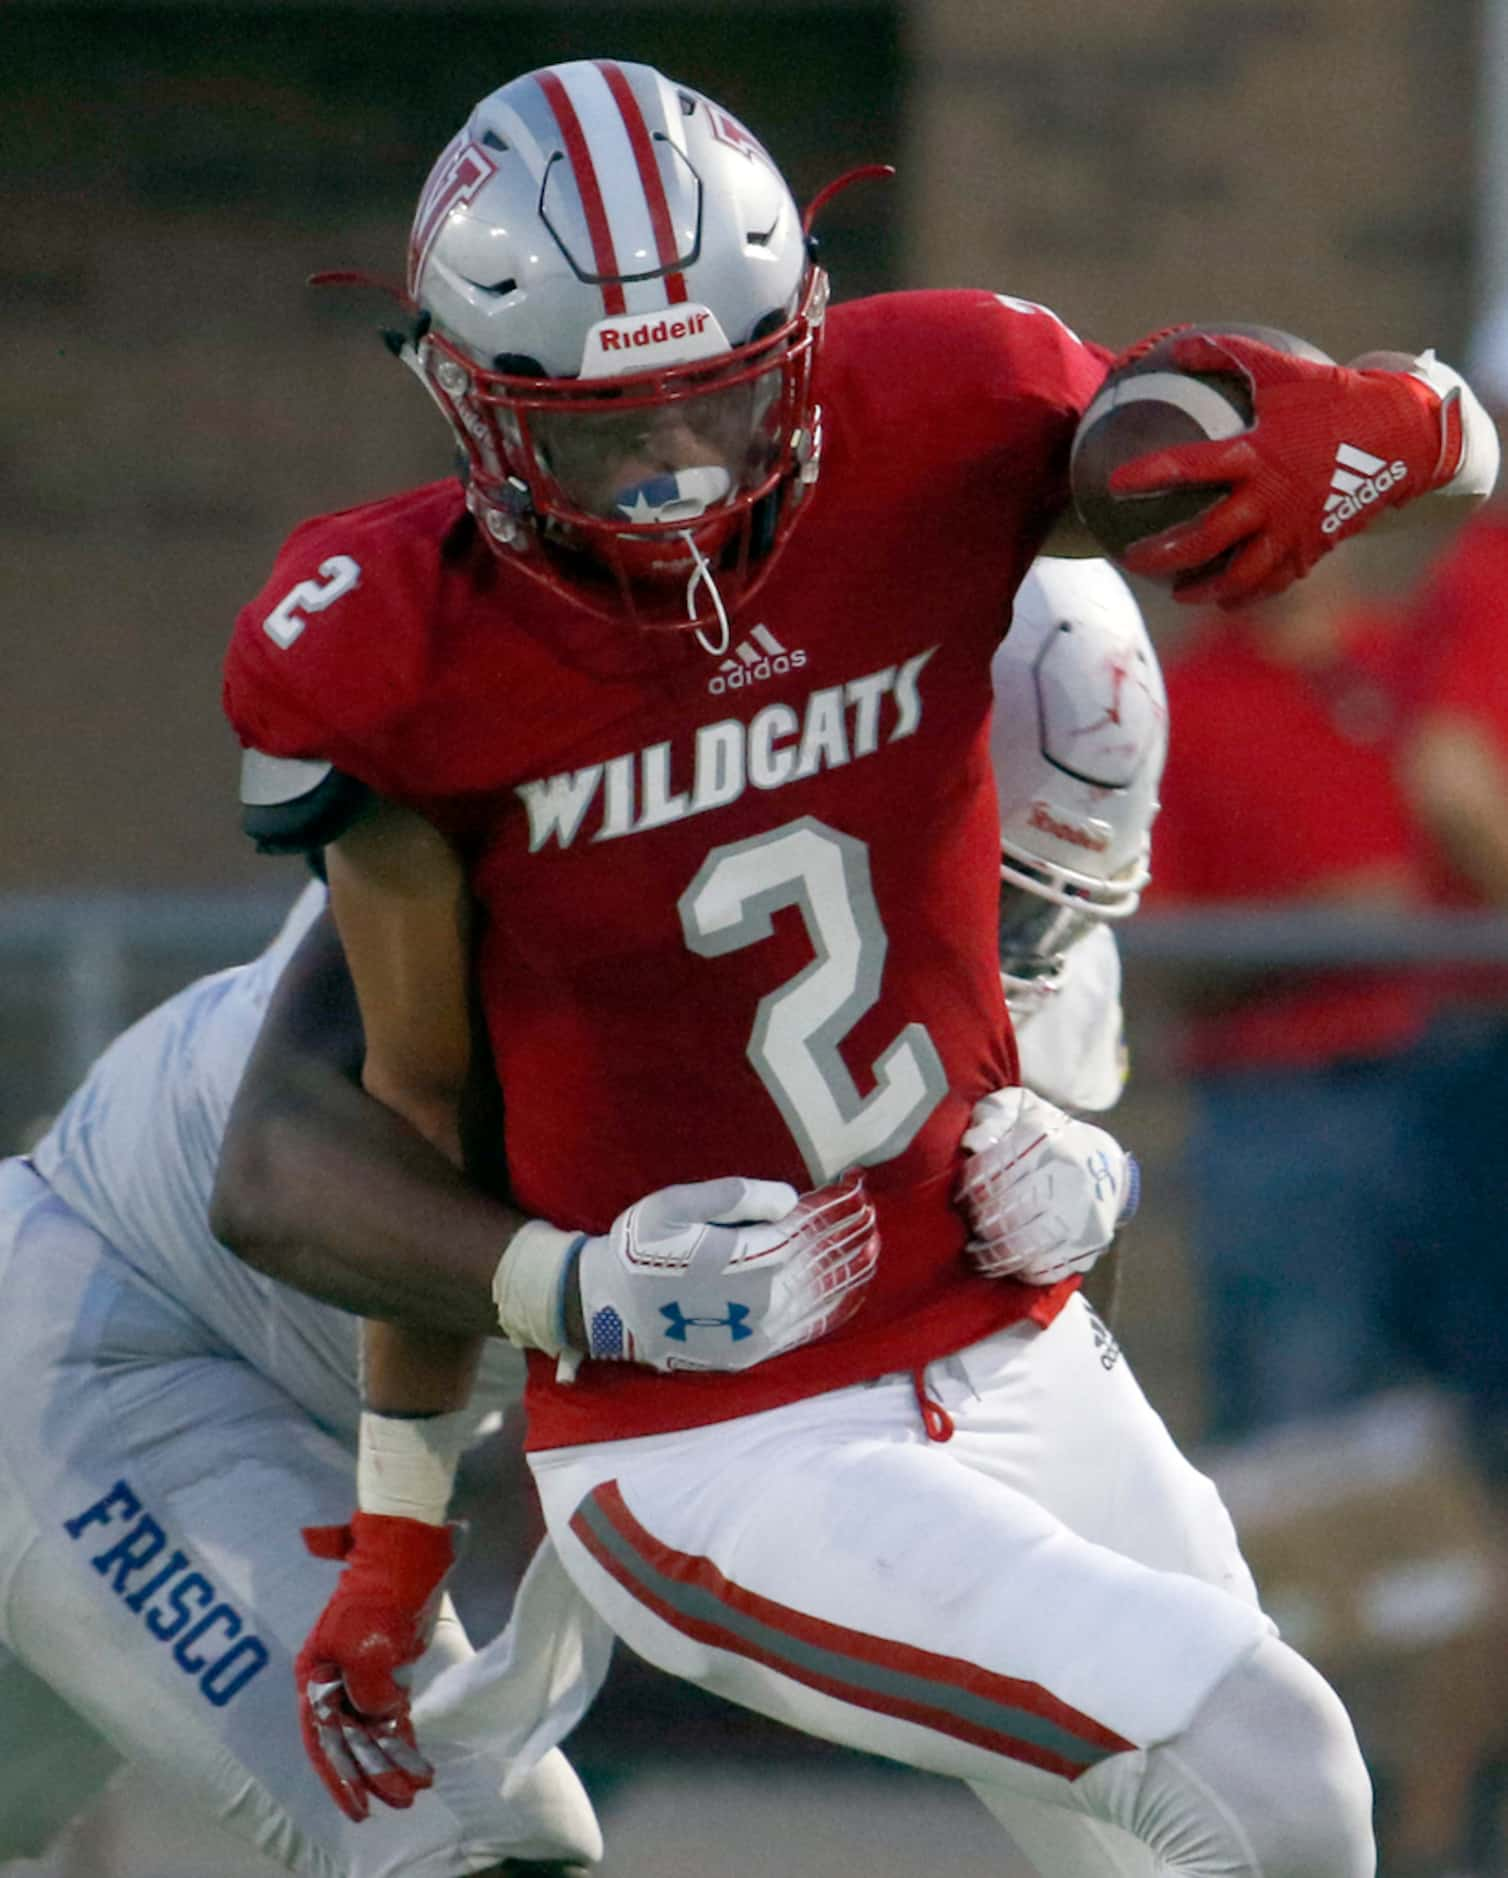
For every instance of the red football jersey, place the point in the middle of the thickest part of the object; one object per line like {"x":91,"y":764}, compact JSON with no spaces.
{"x":740,"y":911}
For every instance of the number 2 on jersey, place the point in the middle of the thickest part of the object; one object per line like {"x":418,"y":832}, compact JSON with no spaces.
{"x":286,"y":620}
{"x":799,"y":1026}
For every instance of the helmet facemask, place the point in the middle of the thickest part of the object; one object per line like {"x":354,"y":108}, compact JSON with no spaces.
{"x":1041,"y":920}
{"x":658,"y":494}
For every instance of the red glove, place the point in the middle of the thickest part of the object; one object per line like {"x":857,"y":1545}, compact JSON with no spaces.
{"x":353,"y":1706}
{"x":1328,"y":448}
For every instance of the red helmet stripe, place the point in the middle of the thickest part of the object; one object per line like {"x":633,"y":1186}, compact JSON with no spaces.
{"x":649,"y":172}
{"x":582,"y":168}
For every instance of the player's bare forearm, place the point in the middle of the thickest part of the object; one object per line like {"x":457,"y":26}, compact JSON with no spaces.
{"x":407,"y":1371}
{"x":327,"y":1189}
{"x":403,"y":911}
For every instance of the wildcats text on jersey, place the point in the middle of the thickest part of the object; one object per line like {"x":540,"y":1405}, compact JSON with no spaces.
{"x":780,"y":744}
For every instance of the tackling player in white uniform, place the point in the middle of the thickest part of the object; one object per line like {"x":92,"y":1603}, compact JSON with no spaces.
{"x":172,"y":1418}
{"x":177,"y":1412}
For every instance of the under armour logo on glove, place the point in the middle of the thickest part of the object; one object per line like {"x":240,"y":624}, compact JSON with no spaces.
{"x":736,"y":1322}
{"x":1104,"y":1177}
{"x":1043,"y":1193}
{"x":752,"y":1258}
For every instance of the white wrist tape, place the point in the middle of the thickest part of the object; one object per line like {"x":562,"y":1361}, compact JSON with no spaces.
{"x":528,"y":1286}
{"x":406,"y":1466}
{"x":1478,"y":468}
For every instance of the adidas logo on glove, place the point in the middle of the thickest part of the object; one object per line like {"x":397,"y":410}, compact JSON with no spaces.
{"x":1357,"y":481}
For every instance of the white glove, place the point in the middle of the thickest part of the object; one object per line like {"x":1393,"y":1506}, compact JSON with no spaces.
{"x":718,"y":1275}
{"x":1043,"y":1192}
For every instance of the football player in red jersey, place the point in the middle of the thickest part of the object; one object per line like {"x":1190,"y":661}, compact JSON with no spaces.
{"x":1006,"y":1571}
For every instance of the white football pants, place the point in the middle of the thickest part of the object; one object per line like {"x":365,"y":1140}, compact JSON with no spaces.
{"x":154,"y":1590}
{"x":1050,"y":1605}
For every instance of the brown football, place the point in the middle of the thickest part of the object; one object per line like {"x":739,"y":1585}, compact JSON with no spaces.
{"x":1150,"y":405}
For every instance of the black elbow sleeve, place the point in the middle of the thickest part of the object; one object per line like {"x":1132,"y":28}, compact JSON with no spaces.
{"x":293,"y":807}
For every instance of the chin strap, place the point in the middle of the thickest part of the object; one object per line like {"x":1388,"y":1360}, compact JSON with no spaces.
{"x":703,"y":572}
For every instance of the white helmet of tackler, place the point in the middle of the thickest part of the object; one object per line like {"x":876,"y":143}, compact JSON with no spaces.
{"x":1078,"y":741}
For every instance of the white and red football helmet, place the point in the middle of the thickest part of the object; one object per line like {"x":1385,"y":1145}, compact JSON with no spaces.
{"x":1078,"y":740}
{"x":603,"y":257}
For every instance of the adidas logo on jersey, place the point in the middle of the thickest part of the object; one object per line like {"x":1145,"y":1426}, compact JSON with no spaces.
{"x":1357,"y":481}
{"x":752,"y":660}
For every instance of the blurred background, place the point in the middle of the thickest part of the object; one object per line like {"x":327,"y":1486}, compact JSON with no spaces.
{"x":1316,"y":1292}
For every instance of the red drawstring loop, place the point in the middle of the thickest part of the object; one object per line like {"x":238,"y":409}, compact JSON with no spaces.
{"x":935,"y":1418}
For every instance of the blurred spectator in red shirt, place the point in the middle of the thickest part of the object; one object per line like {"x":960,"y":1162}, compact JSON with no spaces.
{"x":1453,"y":766}
{"x":1279,"y":789}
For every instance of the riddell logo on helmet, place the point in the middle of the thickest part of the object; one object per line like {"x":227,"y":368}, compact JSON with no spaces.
{"x":625,"y":342}
{"x":1077,"y":835}
{"x":657,"y":333}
